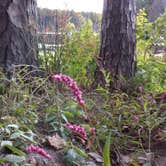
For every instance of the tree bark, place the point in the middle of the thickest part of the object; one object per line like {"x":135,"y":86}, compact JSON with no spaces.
{"x":18,"y":44}
{"x":118,"y":39}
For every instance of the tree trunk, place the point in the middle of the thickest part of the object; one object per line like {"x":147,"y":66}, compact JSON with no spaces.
{"x":118,"y":39}
{"x":18,"y":44}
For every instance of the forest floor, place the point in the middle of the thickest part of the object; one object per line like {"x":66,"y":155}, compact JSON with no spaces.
{"x":156,"y":157}
{"x":159,"y":159}
{"x":124,"y":128}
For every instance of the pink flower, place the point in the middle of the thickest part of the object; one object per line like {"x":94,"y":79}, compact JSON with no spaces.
{"x":77,"y":94}
{"x":40,"y":151}
{"x":78,"y":129}
{"x":92,"y":130}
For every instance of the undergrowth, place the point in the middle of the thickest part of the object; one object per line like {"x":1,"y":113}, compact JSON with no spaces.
{"x":33,"y":106}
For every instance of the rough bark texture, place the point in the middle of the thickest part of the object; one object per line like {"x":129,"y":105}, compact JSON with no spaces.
{"x":117,"y":51}
{"x":17,"y":33}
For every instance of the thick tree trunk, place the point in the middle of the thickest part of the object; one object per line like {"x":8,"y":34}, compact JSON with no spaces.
{"x":18,"y":44}
{"x":117,"y":51}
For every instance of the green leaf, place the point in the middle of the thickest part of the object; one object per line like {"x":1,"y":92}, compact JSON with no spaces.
{"x":29,"y":136}
{"x":106,"y":151}
{"x":26,"y":135}
{"x":86,"y":127}
{"x":71,"y":108}
{"x":80,"y":152}
{"x":15,"y":150}
{"x":3,"y":143}
{"x":64,"y":118}
{"x":50,"y":118}
{"x":69,"y":115}
{"x":14,"y":158}
{"x":16,"y":134}
{"x":2,"y":160}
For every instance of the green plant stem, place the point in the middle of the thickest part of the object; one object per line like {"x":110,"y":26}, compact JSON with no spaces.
{"x":149,"y":141}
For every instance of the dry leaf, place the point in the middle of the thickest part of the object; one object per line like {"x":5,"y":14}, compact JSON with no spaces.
{"x":10,"y":118}
{"x":91,"y":142}
{"x":96,"y":157}
{"x":56,"y":141}
{"x":78,"y":137}
{"x":126,"y":159}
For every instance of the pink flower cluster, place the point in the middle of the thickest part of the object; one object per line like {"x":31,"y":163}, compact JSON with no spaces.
{"x":78,"y":129}
{"x":38,"y":150}
{"x":77,"y":94}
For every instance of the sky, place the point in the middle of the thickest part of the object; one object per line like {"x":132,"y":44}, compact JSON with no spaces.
{"x":76,"y":5}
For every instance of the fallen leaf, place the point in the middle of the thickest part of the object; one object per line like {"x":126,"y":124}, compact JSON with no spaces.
{"x":96,"y":157}
{"x":91,"y":141}
{"x":126,"y":159}
{"x":56,"y":141}
{"x":10,"y":118}
{"x":78,"y":137}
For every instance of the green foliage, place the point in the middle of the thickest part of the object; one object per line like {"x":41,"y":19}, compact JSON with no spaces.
{"x":76,"y":54}
{"x":106,"y":151}
{"x":14,"y":150}
{"x":14,"y":159}
{"x":158,"y":34}
{"x":151,"y":74}
{"x":72,"y":157}
{"x":125,"y":117}
{"x":52,"y":19}
{"x":13,"y":139}
{"x":130,"y":118}
{"x":13,"y":135}
{"x":25,"y":104}
{"x":151,"y":36}
{"x":29,"y":100}
{"x":144,"y":28}
{"x":79,"y":55}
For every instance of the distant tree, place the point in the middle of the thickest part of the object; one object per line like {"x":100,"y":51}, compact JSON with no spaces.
{"x":17,"y":33}
{"x":118,"y":39}
{"x":95,"y":18}
{"x":142,"y":4}
{"x":155,"y":9}
{"x":54,"y":19}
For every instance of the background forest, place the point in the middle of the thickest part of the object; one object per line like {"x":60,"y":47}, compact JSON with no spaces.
{"x":69,"y":119}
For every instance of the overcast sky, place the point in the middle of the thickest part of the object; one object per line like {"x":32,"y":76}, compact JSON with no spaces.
{"x":77,"y":5}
